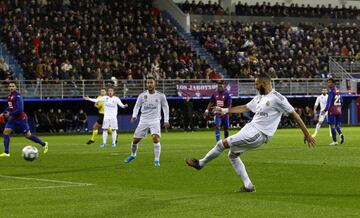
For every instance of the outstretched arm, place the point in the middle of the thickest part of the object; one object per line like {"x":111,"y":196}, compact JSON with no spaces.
{"x":233,"y":110}
{"x":307,"y":136}
{"x":102,"y":99}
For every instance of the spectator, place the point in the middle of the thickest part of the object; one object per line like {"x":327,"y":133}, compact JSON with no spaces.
{"x":81,"y":121}
{"x":41,"y":121}
{"x":52,"y":119}
{"x":188,"y":111}
{"x":60,"y":117}
{"x":174,"y":118}
{"x":69,"y":120}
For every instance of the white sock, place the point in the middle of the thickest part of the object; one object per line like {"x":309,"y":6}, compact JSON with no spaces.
{"x":317,"y":128}
{"x":113,"y":135}
{"x":105,"y":135}
{"x":240,"y":169}
{"x":157,"y":151}
{"x":134,"y":148}
{"x":213,"y":153}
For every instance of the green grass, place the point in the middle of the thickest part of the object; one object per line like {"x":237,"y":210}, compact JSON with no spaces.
{"x":291,"y":180}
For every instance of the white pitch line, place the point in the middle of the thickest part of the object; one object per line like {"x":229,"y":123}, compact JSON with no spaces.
{"x":41,"y":187}
{"x":46,"y":180}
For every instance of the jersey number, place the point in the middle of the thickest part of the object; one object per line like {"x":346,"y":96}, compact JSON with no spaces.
{"x":10,"y":105}
{"x":337,"y":101}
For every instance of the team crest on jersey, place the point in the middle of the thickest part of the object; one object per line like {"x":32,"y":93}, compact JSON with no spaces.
{"x":268,"y":103}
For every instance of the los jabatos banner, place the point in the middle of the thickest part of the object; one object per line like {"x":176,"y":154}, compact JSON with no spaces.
{"x":204,"y":90}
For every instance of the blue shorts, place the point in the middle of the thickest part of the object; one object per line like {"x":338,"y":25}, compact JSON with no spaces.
{"x":222,"y":121}
{"x":19,"y":124}
{"x":334,"y":119}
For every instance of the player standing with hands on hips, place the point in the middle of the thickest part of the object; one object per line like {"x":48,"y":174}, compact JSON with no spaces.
{"x":151,"y":102}
{"x":111,"y":103}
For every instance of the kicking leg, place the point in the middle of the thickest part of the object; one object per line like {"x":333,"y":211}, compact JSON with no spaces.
{"x":220,"y":146}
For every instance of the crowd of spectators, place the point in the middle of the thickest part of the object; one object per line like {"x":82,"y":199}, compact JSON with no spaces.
{"x":271,"y":10}
{"x":211,"y":8}
{"x":282,"y":50}
{"x":58,"y":121}
{"x":296,"y":10}
{"x":100,"y":40}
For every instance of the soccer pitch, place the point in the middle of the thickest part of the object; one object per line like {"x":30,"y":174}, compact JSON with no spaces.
{"x":79,"y":180}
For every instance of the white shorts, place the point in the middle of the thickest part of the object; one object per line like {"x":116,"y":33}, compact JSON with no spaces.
{"x":246,"y":139}
{"x":143,"y":128}
{"x":110,"y":123}
{"x":322,"y":118}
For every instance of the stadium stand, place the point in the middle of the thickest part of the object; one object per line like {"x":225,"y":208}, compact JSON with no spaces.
{"x":201,"y":8}
{"x":268,"y":10}
{"x":97,"y":40}
{"x":283,"y":50}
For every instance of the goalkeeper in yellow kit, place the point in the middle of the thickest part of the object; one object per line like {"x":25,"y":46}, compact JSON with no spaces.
{"x":98,"y":123}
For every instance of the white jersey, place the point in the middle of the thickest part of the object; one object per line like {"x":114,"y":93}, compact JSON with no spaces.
{"x":151,"y":105}
{"x":321,"y":99}
{"x":268,"y":110}
{"x":110,"y":105}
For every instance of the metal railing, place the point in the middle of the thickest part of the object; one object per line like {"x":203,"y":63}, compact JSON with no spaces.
{"x":131,"y":88}
{"x":337,"y":70}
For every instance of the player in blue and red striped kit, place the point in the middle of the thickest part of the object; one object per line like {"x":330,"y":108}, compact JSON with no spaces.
{"x":16,"y":118}
{"x":333,"y":107}
{"x":220,"y":98}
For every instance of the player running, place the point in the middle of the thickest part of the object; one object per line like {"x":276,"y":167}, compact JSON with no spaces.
{"x":268,"y":107}
{"x":99,"y":122}
{"x":220,"y":98}
{"x":17,"y":119}
{"x":333,"y":108}
{"x":320,"y":100}
{"x":151,"y":102}
{"x":111,"y":103}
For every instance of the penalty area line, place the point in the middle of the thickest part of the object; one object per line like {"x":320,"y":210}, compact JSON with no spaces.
{"x":65,"y":183}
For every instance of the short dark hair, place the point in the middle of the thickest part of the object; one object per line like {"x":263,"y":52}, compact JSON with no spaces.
{"x":331,"y":80}
{"x":149,"y":76}
{"x":264,"y":76}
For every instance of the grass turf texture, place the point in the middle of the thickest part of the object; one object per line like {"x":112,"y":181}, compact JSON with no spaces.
{"x":291,"y":180}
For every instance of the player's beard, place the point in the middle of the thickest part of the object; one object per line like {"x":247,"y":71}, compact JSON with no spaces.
{"x":261,"y":90}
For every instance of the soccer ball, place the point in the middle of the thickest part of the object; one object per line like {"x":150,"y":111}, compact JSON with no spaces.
{"x":30,"y":153}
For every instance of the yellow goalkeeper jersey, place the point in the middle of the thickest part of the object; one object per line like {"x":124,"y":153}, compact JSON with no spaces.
{"x":101,"y":105}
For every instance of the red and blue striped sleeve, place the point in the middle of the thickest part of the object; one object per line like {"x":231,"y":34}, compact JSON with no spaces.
{"x":18,"y":106}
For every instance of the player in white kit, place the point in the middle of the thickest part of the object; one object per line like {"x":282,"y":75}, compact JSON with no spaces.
{"x":268,"y":107}
{"x":151,"y":102}
{"x":111,"y":103}
{"x":320,"y":100}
